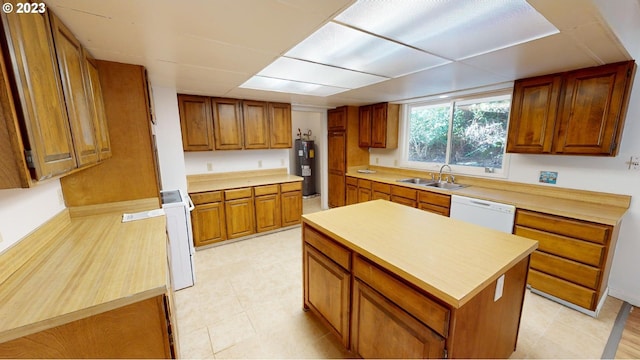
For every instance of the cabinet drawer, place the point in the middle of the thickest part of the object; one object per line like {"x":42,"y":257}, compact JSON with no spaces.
{"x":582,"y":251}
{"x":206,"y":197}
{"x":576,"y":272}
{"x":328,"y":247}
{"x":440,"y":210}
{"x":265,"y":190}
{"x":404,"y":192}
{"x":351,"y":181}
{"x":362,"y":183}
{"x":562,"y":289}
{"x":422,"y":307}
{"x":381,"y":187}
{"x":434,"y":198}
{"x":593,"y":232}
{"x":404,"y":201}
{"x":291,"y":186}
{"x":381,"y":195}
{"x":237,"y":194}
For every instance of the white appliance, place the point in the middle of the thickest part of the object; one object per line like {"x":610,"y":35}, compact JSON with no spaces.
{"x":490,"y":214}
{"x":177,"y":206}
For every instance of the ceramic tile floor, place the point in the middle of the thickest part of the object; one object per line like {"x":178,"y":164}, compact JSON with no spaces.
{"x":247,"y":303}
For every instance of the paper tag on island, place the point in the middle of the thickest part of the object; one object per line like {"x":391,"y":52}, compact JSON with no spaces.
{"x":142,"y":215}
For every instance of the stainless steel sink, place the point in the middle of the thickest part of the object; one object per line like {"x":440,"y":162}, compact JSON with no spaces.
{"x":417,"y":181}
{"x":445,"y":185}
{"x":432,"y":183}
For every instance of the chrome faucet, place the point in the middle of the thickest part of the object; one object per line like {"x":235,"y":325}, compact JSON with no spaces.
{"x":451,"y":179}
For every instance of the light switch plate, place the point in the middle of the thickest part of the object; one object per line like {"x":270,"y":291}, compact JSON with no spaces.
{"x":499,"y":288}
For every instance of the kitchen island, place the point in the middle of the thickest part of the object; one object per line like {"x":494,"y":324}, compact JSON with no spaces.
{"x":393,"y":281}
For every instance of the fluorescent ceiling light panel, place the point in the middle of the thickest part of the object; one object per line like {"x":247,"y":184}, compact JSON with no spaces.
{"x":344,"y":47}
{"x":454,"y":29}
{"x":304,"y":71}
{"x":288,"y":86}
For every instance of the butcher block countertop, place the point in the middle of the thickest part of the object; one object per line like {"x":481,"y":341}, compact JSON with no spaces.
{"x":223,"y":181}
{"x":83,"y":262}
{"x":447,"y":258}
{"x":592,"y":206}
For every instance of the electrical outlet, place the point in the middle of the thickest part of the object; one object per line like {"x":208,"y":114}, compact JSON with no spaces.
{"x":377,"y":161}
{"x":634,"y":163}
{"x":259,"y":163}
{"x":209,"y":166}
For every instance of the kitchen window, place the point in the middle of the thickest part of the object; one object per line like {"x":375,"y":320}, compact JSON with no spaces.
{"x":468,"y":134}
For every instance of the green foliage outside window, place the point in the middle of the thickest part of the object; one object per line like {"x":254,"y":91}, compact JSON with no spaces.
{"x":478,"y":135}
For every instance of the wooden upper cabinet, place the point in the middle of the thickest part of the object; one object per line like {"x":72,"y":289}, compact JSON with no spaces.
{"x":227,"y":123}
{"x":534,"y":108}
{"x":378,"y":125}
{"x":594,"y":109}
{"x":256,"y":124}
{"x":99,"y":113}
{"x":38,"y":98}
{"x":76,"y":92}
{"x":280,"y":125}
{"x":337,"y":119}
{"x":196,"y":122}
{"x":580,"y":112}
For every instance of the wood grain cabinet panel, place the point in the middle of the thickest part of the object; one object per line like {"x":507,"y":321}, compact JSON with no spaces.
{"x":99,"y":112}
{"x":534,"y":108}
{"x":280,"y":126}
{"x":239,"y":212}
{"x":380,"y":191}
{"x":580,"y":112}
{"x":77,"y":93}
{"x":209,"y":224}
{"x":378,"y":125}
{"x":327,"y":291}
{"x":255,"y":115}
{"x":196,"y":122}
{"x":573,"y":258}
{"x":268,"y":212}
{"x":39,"y":99}
{"x":291,"y":206}
{"x":381,"y":329}
{"x":433,"y":202}
{"x":227,"y":124}
{"x":594,"y":110}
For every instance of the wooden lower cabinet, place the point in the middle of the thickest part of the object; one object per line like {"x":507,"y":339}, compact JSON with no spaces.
{"x":240,"y":217}
{"x":209,"y":224}
{"x":351,"y":190}
{"x":291,"y":199}
{"x":573,"y":258}
{"x":377,"y":314}
{"x":381,"y":329}
{"x":138,"y":330}
{"x":268,"y":215}
{"x":327,"y":291}
{"x":434,"y":202}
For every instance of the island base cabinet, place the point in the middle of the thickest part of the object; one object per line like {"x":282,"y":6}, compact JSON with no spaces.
{"x":327,"y":291}
{"x":380,"y":329}
{"x":139,"y":330}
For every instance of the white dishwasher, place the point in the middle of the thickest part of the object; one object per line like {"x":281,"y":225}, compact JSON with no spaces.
{"x":490,"y":214}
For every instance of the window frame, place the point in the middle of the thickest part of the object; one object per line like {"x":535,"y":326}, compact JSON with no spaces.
{"x":453,"y":101}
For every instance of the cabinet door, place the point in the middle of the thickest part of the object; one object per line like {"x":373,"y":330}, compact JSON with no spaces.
{"x":375,"y":318}
{"x":337,"y":119}
{"x":364,"y":128}
{"x":240,"y":217}
{"x":379,"y":125}
{"x":268,"y":214}
{"x":99,"y":113}
{"x":534,"y":108}
{"x":352,"y":194}
{"x":291,"y":208}
{"x":327,"y":291}
{"x":196,"y":122}
{"x":592,"y":112}
{"x":39,"y":94}
{"x":364,"y":194}
{"x":76,"y":93}
{"x":209,"y":225}
{"x":336,"y":146}
{"x":227,"y":124}
{"x":256,"y":124}
{"x":280,"y":125}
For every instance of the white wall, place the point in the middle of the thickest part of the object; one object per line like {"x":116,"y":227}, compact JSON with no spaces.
{"x":235,"y":160}
{"x":169,"y":139}
{"x":23,"y":210}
